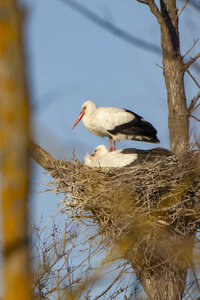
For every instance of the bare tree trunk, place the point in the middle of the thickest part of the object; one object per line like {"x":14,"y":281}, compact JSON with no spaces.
{"x":168,"y":283}
{"x":163,"y":284}
{"x":178,"y":121}
{"x":173,"y":70}
{"x":14,"y":118}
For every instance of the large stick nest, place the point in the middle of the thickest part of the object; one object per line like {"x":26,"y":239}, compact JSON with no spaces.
{"x":152,"y":208}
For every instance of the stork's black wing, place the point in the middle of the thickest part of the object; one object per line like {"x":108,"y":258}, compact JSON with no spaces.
{"x":147,"y":155}
{"x":138,"y":127}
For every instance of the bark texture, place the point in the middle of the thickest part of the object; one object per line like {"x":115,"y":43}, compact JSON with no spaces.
{"x":170,"y":284}
{"x":14,"y":118}
{"x":166,"y":285}
{"x":173,"y":71}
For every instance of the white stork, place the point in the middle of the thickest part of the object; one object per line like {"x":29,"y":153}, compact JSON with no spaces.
{"x":116,"y":123}
{"x":101,"y":157}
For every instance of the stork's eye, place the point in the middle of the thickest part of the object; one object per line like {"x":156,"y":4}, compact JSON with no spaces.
{"x":84,"y":108}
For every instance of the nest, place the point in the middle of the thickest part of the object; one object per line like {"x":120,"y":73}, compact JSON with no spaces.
{"x":150,"y":211}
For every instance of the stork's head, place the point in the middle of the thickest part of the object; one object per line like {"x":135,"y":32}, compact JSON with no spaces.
{"x":87,"y":108}
{"x":99,"y":151}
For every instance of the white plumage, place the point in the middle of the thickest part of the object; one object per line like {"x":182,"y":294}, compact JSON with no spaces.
{"x":101,"y":157}
{"x":116,"y":123}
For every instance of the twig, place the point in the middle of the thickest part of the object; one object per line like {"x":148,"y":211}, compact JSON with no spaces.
{"x":114,"y":281}
{"x":191,"y":47}
{"x":192,"y":106}
{"x":193,"y":78}
{"x":161,"y":67}
{"x":192,"y":60}
{"x":196,"y":142}
{"x":196,"y":106}
{"x":198,"y":120}
{"x":143,"y":1}
{"x":186,"y":2}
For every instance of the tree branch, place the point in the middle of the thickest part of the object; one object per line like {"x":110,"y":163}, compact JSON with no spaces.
{"x":191,"y":47}
{"x":192,"y":106}
{"x":161,"y":67}
{"x":192,"y":60}
{"x":193,"y":78}
{"x":186,"y":2}
{"x":198,"y":120}
{"x":143,"y":1}
{"x":84,"y":11}
{"x":42,"y":157}
{"x":110,"y":286}
{"x":165,"y":20}
{"x":154,"y":9}
{"x":196,"y":107}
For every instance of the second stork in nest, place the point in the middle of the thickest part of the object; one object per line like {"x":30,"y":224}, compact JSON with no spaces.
{"x":101,"y":157}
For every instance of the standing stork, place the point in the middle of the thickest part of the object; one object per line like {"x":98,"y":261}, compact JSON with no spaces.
{"x":116,"y":123}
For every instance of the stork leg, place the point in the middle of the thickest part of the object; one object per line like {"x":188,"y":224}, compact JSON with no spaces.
{"x":110,"y":141}
{"x":114,"y":143}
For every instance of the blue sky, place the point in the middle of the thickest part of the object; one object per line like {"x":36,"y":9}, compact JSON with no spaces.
{"x":71,"y":60}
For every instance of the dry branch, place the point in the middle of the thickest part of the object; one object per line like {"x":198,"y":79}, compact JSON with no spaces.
{"x":155,"y":11}
{"x":42,"y":157}
{"x":192,"y":106}
{"x":191,"y":48}
{"x":182,"y":9}
{"x":143,"y":1}
{"x":192,"y":77}
{"x":113,"y":29}
{"x":198,"y":120}
{"x":192,"y":60}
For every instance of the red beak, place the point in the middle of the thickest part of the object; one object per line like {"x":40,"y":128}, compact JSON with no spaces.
{"x":78,"y":119}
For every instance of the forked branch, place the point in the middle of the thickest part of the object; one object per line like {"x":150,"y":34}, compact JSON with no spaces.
{"x":154,"y":9}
